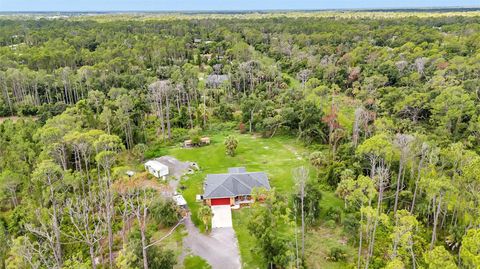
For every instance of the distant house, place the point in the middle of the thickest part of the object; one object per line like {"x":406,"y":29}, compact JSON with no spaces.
{"x":234,"y":187}
{"x":156,"y":168}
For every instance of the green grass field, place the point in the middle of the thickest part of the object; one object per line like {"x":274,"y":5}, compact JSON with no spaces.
{"x":276,"y":156}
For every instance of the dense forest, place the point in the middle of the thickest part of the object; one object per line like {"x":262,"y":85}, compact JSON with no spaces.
{"x":388,"y":107}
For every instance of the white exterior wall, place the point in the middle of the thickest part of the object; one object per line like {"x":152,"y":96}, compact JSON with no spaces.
{"x":156,"y":168}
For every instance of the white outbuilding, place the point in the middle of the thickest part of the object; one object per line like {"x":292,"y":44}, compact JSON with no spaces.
{"x":156,"y":168}
{"x":179,"y":200}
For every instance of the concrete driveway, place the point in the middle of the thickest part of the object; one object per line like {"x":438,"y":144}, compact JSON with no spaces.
{"x":219,"y":248}
{"x":222,"y":216}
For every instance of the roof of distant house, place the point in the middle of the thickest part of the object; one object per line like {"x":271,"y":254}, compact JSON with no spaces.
{"x":236,"y":182}
{"x":156,"y":165}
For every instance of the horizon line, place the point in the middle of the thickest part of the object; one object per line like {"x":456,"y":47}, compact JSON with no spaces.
{"x":373,"y":9}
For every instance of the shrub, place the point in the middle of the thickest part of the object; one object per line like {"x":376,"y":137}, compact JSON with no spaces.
{"x":331,"y":224}
{"x":194,"y":135}
{"x":165,"y":212}
{"x":333,"y":213}
{"x":231,"y":143}
{"x":337,"y":253}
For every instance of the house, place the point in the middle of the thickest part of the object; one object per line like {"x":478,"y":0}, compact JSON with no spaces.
{"x":156,"y":168}
{"x":233,"y":188}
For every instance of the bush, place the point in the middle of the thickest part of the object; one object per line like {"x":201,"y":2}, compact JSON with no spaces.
{"x":331,"y":224}
{"x":195,"y":262}
{"x":159,"y":258}
{"x":224,"y":112}
{"x":165,"y":212}
{"x":351,"y":224}
{"x":333,"y":213}
{"x":194,"y":135}
{"x":337,"y":254}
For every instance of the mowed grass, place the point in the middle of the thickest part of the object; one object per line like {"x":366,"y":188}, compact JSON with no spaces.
{"x":277,"y":157}
{"x":250,"y":257}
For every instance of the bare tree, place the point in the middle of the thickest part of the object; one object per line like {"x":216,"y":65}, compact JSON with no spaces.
{"x":301,"y":175}
{"x":382,"y":176}
{"x":50,"y":176}
{"x":303,"y":76}
{"x":423,"y":154}
{"x":138,"y":198}
{"x":86,"y":216}
{"x":402,"y":142}
{"x":106,"y":159}
{"x":159,"y":93}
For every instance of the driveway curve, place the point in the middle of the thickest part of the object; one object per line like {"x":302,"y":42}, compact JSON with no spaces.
{"x":219,"y":248}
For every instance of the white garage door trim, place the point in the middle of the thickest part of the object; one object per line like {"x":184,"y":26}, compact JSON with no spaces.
{"x":222,"y":216}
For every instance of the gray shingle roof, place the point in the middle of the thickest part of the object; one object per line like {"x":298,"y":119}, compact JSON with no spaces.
{"x":237,"y":182}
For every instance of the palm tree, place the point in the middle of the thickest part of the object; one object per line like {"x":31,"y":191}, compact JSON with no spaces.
{"x":205,"y":214}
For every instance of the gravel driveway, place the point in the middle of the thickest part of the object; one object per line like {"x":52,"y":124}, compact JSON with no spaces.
{"x":219,"y":249}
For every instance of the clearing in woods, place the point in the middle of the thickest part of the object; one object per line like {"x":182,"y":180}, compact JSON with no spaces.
{"x":276,"y":156}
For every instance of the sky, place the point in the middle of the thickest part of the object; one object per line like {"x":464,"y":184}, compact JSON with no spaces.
{"x":212,"y":5}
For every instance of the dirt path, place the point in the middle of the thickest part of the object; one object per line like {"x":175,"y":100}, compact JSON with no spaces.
{"x":219,"y":249}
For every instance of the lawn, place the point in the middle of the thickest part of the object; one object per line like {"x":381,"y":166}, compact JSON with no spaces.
{"x":276,"y":156}
{"x":195,"y":262}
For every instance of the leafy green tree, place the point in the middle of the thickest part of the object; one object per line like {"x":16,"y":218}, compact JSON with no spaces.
{"x":356,"y":192}
{"x":470,"y":250}
{"x":450,"y":108}
{"x":270,"y":224}
{"x":439,"y":257}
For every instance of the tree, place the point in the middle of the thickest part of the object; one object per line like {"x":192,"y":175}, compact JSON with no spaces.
{"x":231,"y":143}
{"x":139,"y":199}
{"x":10,"y":183}
{"x":403,"y":234}
{"x":436,"y":186}
{"x":49,"y":175}
{"x":270,"y":224}
{"x":470,"y":250}
{"x":449,"y":109}
{"x":356,"y":193}
{"x":300,"y":176}
{"x":86,"y":216}
{"x":402,"y":142}
{"x":439,"y":257}
{"x":205,"y":214}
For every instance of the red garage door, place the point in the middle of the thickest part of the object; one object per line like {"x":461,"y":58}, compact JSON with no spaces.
{"x":220,"y":201}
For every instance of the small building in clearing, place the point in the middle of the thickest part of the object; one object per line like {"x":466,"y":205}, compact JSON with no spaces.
{"x":234,"y":187}
{"x":156,"y":168}
{"x":179,"y":200}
